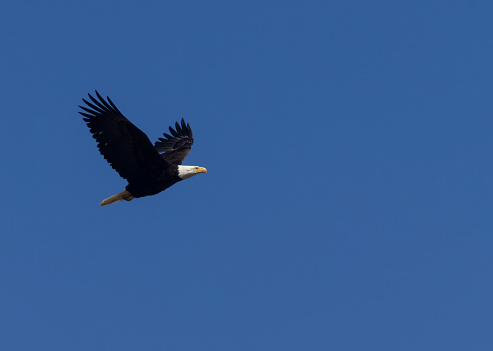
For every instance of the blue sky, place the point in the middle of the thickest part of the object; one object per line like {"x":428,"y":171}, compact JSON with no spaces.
{"x":348,"y":200}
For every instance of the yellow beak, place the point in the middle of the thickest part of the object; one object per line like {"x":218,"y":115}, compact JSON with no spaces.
{"x":201,"y":170}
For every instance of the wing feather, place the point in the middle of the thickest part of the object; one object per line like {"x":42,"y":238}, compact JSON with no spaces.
{"x":175,"y":147}
{"x":172,"y":131}
{"x":128,"y":150}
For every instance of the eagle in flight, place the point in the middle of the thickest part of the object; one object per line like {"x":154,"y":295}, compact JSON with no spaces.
{"x":149,"y":169}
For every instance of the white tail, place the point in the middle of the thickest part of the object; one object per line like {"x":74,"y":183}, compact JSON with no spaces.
{"x":124,"y":195}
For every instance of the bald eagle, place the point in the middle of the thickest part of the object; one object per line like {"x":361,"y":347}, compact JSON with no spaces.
{"x":148,"y":169}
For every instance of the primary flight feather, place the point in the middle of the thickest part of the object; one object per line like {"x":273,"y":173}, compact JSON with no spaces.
{"x":149,"y":169}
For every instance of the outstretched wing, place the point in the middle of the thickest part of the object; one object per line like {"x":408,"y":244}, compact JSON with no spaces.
{"x":176,"y":147}
{"x":128,"y":150}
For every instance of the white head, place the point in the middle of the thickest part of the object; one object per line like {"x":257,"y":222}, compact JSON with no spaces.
{"x":185,"y":172}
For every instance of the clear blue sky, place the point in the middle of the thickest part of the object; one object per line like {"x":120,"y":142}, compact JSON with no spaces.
{"x":349,"y":195}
